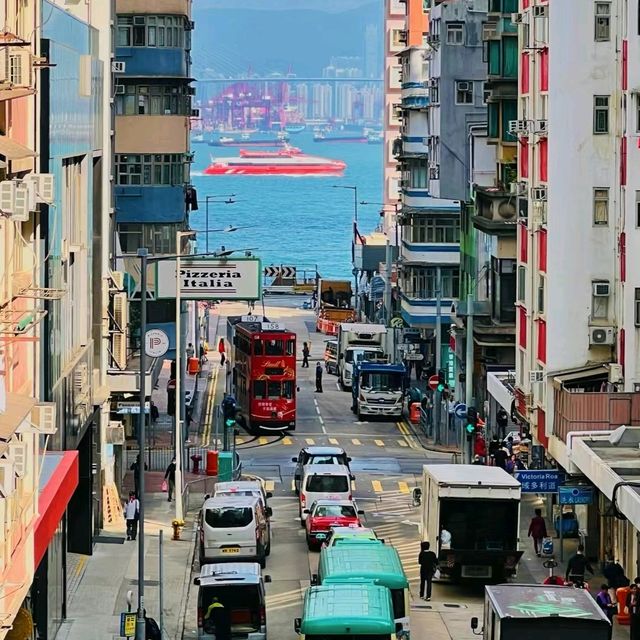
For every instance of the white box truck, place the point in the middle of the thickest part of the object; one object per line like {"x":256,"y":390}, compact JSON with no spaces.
{"x":356,"y":342}
{"x":471,"y":517}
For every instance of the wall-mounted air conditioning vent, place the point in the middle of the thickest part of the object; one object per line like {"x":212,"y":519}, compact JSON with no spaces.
{"x":118,"y":67}
{"x":539,"y":194}
{"x":536,"y":376}
{"x":599,"y":336}
{"x":601,"y":289}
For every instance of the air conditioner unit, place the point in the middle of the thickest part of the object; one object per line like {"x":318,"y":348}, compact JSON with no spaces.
{"x":489,"y":30}
{"x":402,"y":37}
{"x":118,"y":67}
{"x":114,"y":433}
{"x":517,"y":18}
{"x":536,"y":376}
{"x":601,"y":289}
{"x":7,"y":479}
{"x":541,"y":127}
{"x":117,"y":278}
{"x":119,"y":350}
{"x":464,"y":86}
{"x":540,"y":11}
{"x":539,"y":194}
{"x":600,"y":336}
{"x":120,"y":312}
{"x":615,"y":373}
{"x":21,"y":204}
{"x":538,"y":214}
{"x":18,"y":67}
{"x":434,"y":173}
{"x":7,"y":196}
{"x":43,"y":184}
{"x":18,"y":455}
{"x":195,"y":113}
{"x":518,"y":126}
{"x":43,"y":418}
{"x":119,"y":89}
{"x":517,"y":188}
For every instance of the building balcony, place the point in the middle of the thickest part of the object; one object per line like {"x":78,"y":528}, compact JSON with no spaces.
{"x":414,"y":95}
{"x":420,"y":312}
{"x":128,"y":380}
{"x":157,"y":7}
{"x":152,"y":134}
{"x":496,"y":212}
{"x":418,"y":201}
{"x":150,"y":62}
{"x":430,"y":253}
{"x":370,"y":251}
{"x":577,"y":409}
{"x":150,"y":204}
{"x":407,"y":147}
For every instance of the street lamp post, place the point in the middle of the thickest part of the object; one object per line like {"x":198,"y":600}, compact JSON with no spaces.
{"x":353,"y":188}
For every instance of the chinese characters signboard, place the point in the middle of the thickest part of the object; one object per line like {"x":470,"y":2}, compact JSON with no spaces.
{"x":575,"y":495}
{"x":539,"y":481}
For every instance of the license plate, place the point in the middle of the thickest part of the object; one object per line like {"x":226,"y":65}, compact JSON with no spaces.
{"x":476,"y":571}
{"x":320,"y":536}
{"x":231,"y":550}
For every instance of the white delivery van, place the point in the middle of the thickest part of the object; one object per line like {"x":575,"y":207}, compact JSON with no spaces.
{"x":323,"y":482}
{"x":234,"y":528}
{"x":239,"y":588}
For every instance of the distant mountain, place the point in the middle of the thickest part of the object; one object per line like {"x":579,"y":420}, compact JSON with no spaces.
{"x":232,"y":36}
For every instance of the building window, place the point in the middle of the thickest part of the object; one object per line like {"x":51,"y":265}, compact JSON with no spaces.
{"x":398,"y":38}
{"x":599,"y":304}
{"x":153,"y":100}
{"x":603,"y":22}
{"x":636,"y":307}
{"x":150,"y":31}
{"x":422,"y":284}
{"x":522,"y":283}
{"x":417,"y":174}
{"x":464,"y":92}
{"x":150,"y":169}
{"x":486,"y":92}
{"x":601,"y":114}
{"x":157,"y":238}
{"x":455,"y":33}
{"x":601,"y":206}
{"x":437,"y":230}
{"x":540,"y":305}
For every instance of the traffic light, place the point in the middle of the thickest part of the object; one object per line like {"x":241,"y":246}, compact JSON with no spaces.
{"x":472,"y":420}
{"x":441,"y":381}
{"x":230,"y":423}
{"x":229,"y":408}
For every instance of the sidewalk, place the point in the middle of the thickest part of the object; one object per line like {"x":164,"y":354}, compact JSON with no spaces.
{"x":97,"y":596}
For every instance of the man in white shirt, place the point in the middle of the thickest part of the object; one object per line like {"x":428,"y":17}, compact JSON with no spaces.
{"x":131,"y":514}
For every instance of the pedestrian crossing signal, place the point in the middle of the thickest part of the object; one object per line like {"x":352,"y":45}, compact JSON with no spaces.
{"x":472,"y":420}
{"x":441,"y":382}
{"x":230,"y":422}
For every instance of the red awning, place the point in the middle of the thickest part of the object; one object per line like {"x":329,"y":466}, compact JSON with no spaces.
{"x":58,"y":483}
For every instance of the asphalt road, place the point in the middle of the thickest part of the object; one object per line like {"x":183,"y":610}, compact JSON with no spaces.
{"x":387,"y":463}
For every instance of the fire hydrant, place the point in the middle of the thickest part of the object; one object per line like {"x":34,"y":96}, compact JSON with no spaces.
{"x":177,"y":528}
{"x":196,"y":459}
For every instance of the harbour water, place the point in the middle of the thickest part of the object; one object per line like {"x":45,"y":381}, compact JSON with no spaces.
{"x":293,"y":220}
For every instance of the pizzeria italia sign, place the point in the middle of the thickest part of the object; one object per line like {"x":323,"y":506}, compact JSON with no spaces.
{"x":206,"y":279}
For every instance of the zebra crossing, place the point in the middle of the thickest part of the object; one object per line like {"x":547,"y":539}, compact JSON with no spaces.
{"x":383,"y":487}
{"x":397,"y":440}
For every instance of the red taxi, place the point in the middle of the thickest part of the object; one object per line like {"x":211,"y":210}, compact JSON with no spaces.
{"x":325,"y":514}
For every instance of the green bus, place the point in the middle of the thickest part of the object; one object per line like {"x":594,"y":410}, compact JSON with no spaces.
{"x":360,"y":611}
{"x":377,"y":563}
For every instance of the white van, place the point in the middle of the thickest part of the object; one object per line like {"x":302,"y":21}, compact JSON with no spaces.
{"x":234,"y":528}
{"x":243,"y":488}
{"x":239,"y":588}
{"x":323,"y":482}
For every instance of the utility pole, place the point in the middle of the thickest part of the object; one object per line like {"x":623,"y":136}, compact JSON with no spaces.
{"x":438,"y":394}
{"x":468,"y":378}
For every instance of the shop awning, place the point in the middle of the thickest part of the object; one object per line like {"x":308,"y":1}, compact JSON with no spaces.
{"x":561,"y":376}
{"x":58,"y":481}
{"x":12,"y":150}
{"x":11,"y":94}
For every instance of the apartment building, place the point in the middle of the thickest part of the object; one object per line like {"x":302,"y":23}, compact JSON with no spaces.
{"x":577,"y":320}
{"x":443,"y":110}
{"x":488,"y":243}
{"x":153,"y":196}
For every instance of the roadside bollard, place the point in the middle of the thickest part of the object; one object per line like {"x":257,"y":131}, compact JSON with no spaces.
{"x":177,"y":528}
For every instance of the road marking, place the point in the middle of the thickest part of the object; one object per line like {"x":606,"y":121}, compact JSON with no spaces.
{"x":309,"y":440}
{"x":269,"y":485}
{"x":355,"y":441}
{"x":377,"y":486}
{"x":239,"y":440}
{"x":287,"y":440}
{"x":403,"y":443}
{"x":263,"y":440}
{"x":379,"y":443}
{"x":404,"y":487}
{"x":206,"y":435}
{"x":333,"y":441}
{"x":402,"y":428}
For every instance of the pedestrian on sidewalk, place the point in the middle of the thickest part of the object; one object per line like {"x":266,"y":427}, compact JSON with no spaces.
{"x":131,"y":515}
{"x":428,"y":562}
{"x":305,"y":355}
{"x":604,"y":600}
{"x":318,"y":377}
{"x":502,"y":420}
{"x":494,"y":445}
{"x":418,"y":370}
{"x":614,"y":573}
{"x":170,"y":477}
{"x":151,"y":628}
{"x":155,"y":414}
{"x":135,"y":467}
{"x":537,"y":531}
{"x":500,"y":457}
{"x":216,"y":620}
{"x":633,"y":608}
{"x":577,"y":566}
{"x":221,"y":351}
{"x":203,"y":355}
{"x":190,"y":351}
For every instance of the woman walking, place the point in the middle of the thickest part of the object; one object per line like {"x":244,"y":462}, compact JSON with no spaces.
{"x":221,"y":351}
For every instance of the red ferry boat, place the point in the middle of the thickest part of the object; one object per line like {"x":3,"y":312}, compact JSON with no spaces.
{"x":287,"y":162}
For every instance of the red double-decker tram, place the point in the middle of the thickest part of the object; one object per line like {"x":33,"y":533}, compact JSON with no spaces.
{"x":264,"y":375}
